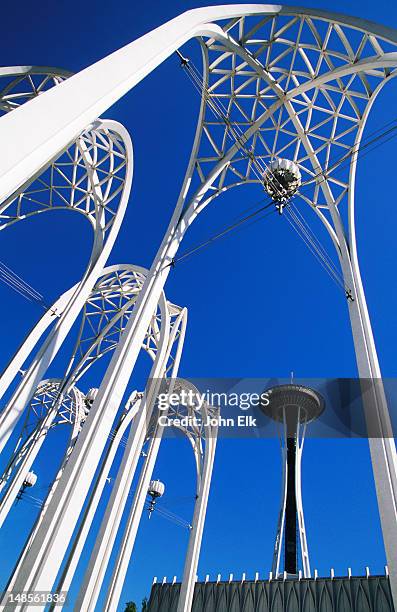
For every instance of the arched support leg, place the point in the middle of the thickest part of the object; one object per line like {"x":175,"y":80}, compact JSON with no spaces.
{"x":132,"y":526}
{"x":79,"y":542}
{"x":380,"y":432}
{"x":105,"y":540}
{"x":23,"y":468}
{"x":42,"y":562}
{"x":98,"y":563}
{"x":196,"y":534}
{"x":35,"y":372}
{"x":134,"y":518}
{"x":379,"y":427}
{"x":29,"y":444}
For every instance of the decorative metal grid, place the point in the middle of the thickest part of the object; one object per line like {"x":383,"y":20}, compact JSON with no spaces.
{"x":289,"y":86}
{"x":71,"y":411}
{"x":19,"y":84}
{"x":88,"y":176}
{"x":106,"y":314}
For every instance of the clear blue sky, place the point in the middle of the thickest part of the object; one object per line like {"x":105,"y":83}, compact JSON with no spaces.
{"x":259,"y":305}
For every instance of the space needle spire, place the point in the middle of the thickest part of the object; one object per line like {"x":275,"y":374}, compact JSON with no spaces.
{"x":293,"y":407}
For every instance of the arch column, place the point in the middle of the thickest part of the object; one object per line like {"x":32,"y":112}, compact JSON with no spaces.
{"x":196,"y":534}
{"x":98,"y":563}
{"x":73,"y":301}
{"x":128,"y":280}
{"x":124,"y":280}
{"x":204,"y":460}
{"x":132,"y":409}
{"x":47,"y":549}
{"x":29,"y":451}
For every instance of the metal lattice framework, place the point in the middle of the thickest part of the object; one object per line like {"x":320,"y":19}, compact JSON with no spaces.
{"x":166,"y":363}
{"x":106,"y":314}
{"x":196,"y":430}
{"x":87,"y":177}
{"x":71,"y":411}
{"x":19,"y":84}
{"x":290,"y":75}
{"x":285,"y":81}
{"x":104,"y":317}
{"x":91,"y":176}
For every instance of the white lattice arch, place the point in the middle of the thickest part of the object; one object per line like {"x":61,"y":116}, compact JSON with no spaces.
{"x":104,"y":317}
{"x":91,"y":176}
{"x":71,"y":411}
{"x":86,"y":177}
{"x":19,"y":84}
{"x":58,"y":401}
{"x":345,"y":64}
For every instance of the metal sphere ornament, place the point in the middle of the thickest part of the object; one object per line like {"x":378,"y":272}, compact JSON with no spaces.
{"x":281,"y":181}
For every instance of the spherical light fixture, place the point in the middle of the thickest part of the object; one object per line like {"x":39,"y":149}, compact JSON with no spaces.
{"x":281,"y":181}
{"x":156,"y":490}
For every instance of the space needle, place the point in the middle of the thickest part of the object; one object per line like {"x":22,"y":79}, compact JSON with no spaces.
{"x":285,"y":95}
{"x":293,"y":407}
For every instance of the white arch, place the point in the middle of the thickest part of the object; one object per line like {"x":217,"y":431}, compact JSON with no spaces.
{"x":77,"y":102}
{"x":131,"y":278}
{"x":70,"y":304}
{"x":94,"y":433}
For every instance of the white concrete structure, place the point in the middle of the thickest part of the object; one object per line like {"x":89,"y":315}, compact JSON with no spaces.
{"x":45,"y":411}
{"x":105,"y":315}
{"x":105,"y":540}
{"x":91,"y":176}
{"x":55,"y":402}
{"x":306,"y":83}
{"x":203,"y":439}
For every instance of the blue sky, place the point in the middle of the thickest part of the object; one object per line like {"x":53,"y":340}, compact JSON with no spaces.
{"x":259,"y":305}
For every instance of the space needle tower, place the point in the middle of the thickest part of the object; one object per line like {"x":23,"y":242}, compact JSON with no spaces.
{"x":292,"y":407}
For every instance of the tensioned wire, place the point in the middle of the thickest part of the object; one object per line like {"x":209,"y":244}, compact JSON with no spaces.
{"x":15,"y":282}
{"x":19,"y":285}
{"x":299,"y":224}
{"x":221,"y":111}
{"x":10,"y":278}
{"x":159,"y":509}
{"x":294,"y":217}
{"x":225,"y":231}
{"x":234,"y":132}
{"x":301,"y":227}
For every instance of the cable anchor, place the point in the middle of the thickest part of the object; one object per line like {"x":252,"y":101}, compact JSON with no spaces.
{"x":184,"y":60}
